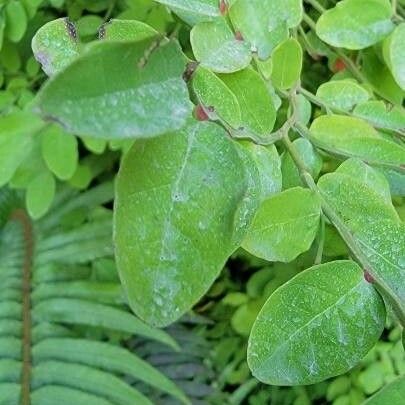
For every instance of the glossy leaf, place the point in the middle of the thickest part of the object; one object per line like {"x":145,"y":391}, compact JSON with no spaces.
{"x":394,"y":54}
{"x":263,"y":23}
{"x":374,"y":225}
{"x":356,"y":24}
{"x":55,"y":45}
{"x":255,"y":102}
{"x":216,"y":47}
{"x":317,"y":325}
{"x":213,"y":93}
{"x":353,"y":137}
{"x":175,"y":218}
{"x":99,"y":95}
{"x":284,"y":226}
{"x":342,"y":94}
{"x":60,"y":152}
{"x":287,"y":64}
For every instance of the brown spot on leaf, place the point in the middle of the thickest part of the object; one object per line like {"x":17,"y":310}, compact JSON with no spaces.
{"x":200,"y":113}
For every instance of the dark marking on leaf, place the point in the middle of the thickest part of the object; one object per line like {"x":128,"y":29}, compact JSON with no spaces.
{"x":223,"y":7}
{"x":71,"y":29}
{"x":190,"y":69}
{"x":238,"y":36}
{"x":200,"y":113}
{"x":148,"y":52}
{"x":368,"y":277}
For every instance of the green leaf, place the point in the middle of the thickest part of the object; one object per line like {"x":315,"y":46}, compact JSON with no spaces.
{"x":114,"y":359}
{"x":284,"y":226}
{"x":212,"y":93}
{"x":176,"y":216}
{"x":87,"y":379}
{"x":16,"y":130}
{"x":311,"y":158}
{"x":368,"y":176}
{"x":287,"y":64}
{"x":60,"y":152}
{"x":376,"y":112}
{"x":394,"y":54}
{"x":392,"y":393}
{"x":255,"y":102}
{"x":40,"y":194}
{"x":216,"y":47}
{"x":356,"y":24}
{"x":16,"y":20}
{"x":353,"y":137}
{"x":264,"y":24}
{"x":268,"y":163}
{"x":195,"y":10}
{"x":51,"y":394}
{"x":318,"y":325}
{"x":81,"y":312}
{"x":374,"y":225}
{"x":126,"y":30}
{"x":10,"y":393}
{"x":99,"y":95}
{"x":342,"y":94}
{"x":55,"y":45}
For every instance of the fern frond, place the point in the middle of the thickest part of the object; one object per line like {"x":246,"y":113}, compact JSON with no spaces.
{"x":61,"y":316}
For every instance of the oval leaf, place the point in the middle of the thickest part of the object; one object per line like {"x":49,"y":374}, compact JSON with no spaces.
{"x":355,"y":24}
{"x":176,"y":213}
{"x":319,"y":324}
{"x":284,"y":226}
{"x":99,"y":95}
{"x":394,"y":54}
{"x":216,"y":47}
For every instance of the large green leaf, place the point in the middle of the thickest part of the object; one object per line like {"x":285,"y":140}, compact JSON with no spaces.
{"x":374,"y":226}
{"x":342,"y":94}
{"x":394,"y":54}
{"x":264,"y":24}
{"x":356,"y":24}
{"x":393,"y":393}
{"x":216,"y":47}
{"x":353,"y":137}
{"x":284,"y":226}
{"x":119,"y":90}
{"x":178,"y":206}
{"x":287,"y":64}
{"x":55,"y":45}
{"x":318,"y":325}
{"x":256,"y":105}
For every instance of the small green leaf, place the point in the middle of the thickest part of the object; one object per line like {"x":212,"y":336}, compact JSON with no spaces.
{"x":252,"y":19}
{"x":256,"y":105}
{"x":16,"y":132}
{"x":284,"y":226}
{"x":318,"y":325}
{"x":40,"y":194}
{"x":216,"y":47}
{"x":99,"y":95}
{"x":16,"y":20}
{"x":195,"y":10}
{"x":356,"y":24}
{"x":393,"y":393}
{"x":342,"y":94}
{"x":212,"y":93}
{"x":354,"y":137}
{"x":126,"y":30}
{"x":311,"y":158}
{"x":178,"y":217}
{"x":394,"y":54}
{"x":376,"y":112}
{"x":55,"y":45}
{"x":268,"y":163}
{"x":287,"y":64}
{"x":60,"y":152}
